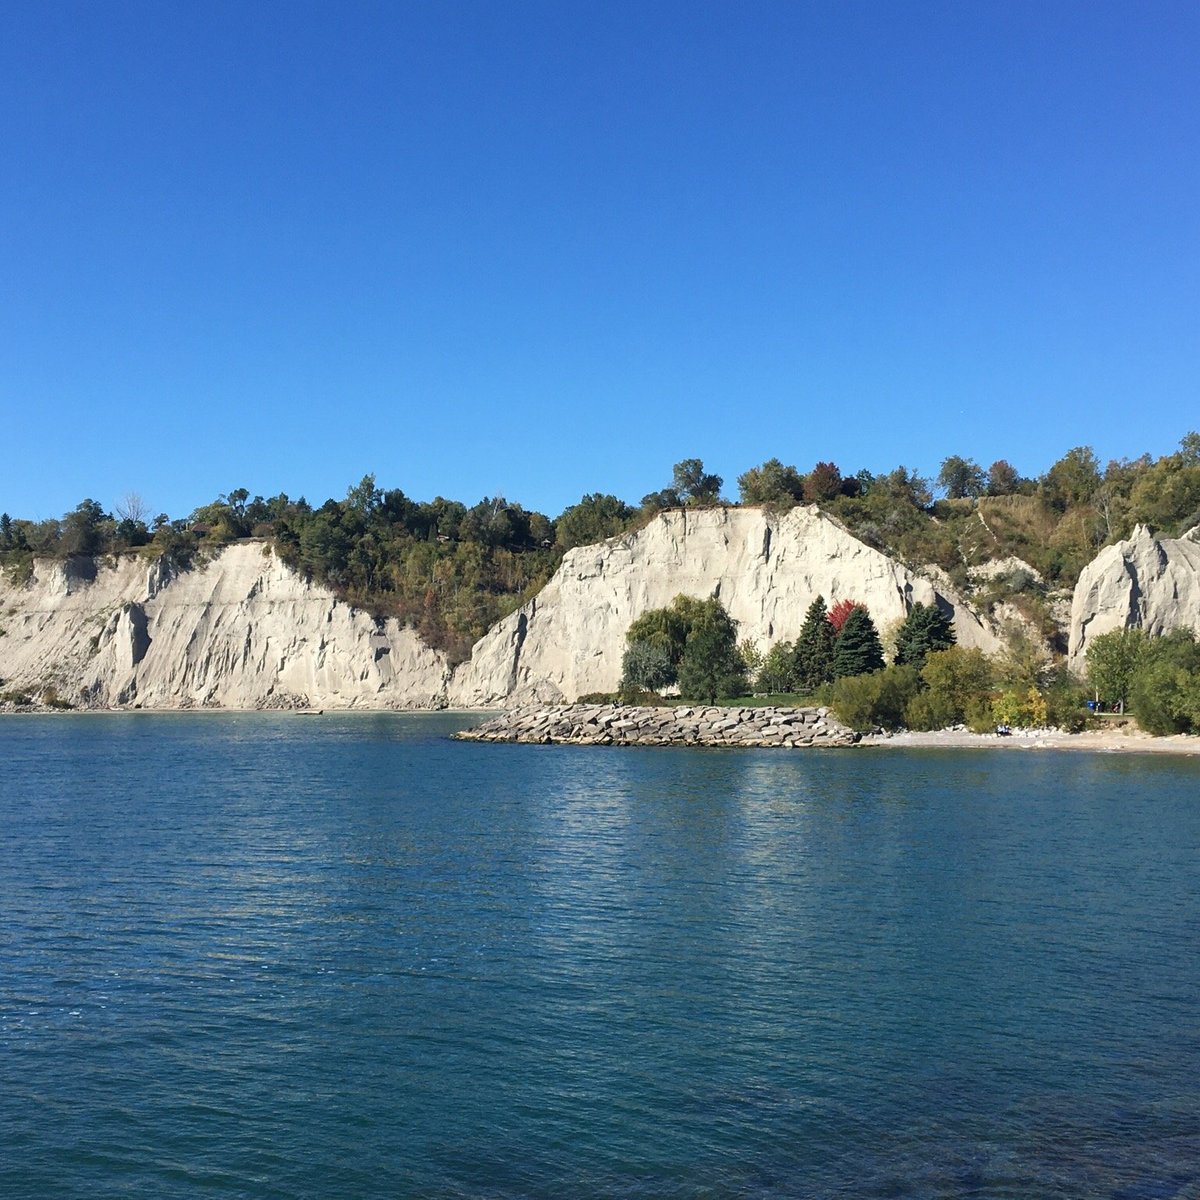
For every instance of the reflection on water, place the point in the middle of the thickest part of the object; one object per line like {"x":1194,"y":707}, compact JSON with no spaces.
{"x":344,"y":956}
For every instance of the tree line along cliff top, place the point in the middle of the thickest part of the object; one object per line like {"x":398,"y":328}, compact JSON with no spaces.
{"x":451,"y":571}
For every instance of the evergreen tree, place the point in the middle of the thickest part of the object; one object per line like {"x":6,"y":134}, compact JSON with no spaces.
{"x":712,"y":668}
{"x":858,"y":650}
{"x":813,"y":658}
{"x":925,"y":629}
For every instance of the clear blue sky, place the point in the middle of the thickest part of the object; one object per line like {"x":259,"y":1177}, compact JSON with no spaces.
{"x":541,"y":249}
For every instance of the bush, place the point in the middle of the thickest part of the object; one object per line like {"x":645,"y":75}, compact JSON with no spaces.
{"x":876,"y":699}
{"x":1026,"y":710}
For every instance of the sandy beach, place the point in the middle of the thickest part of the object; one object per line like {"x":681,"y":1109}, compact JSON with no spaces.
{"x":1111,"y":741}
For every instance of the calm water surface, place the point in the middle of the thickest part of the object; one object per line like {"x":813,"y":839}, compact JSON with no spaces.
{"x":267,"y":956}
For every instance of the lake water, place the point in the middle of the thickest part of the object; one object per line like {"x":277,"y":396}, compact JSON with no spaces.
{"x":273,"y":956}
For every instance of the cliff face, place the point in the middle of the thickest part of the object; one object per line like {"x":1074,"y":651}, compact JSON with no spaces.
{"x":244,"y":631}
{"x":765,"y":568}
{"x":1144,"y":582}
{"x":240,"y":631}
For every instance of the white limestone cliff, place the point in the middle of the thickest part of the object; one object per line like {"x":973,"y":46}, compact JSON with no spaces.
{"x":766,"y":568}
{"x":1144,"y":582}
{"x":239,"y":631}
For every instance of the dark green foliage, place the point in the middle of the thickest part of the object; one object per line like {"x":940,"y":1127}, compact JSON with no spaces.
{"x":858,"y":649}
{"x":814,"y":649}
{"x":961,"y":478}
{"x":925,"y":630}
{"x":712,"y":669}
{"x":593,"y":519}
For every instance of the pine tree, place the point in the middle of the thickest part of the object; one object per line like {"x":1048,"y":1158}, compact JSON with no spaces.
{"x":813,"y":658}
{"x":858,"y":650}
{"x":925,"y":629}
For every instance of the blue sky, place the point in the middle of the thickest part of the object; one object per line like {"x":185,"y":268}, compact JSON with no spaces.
{"x":542,"y":249}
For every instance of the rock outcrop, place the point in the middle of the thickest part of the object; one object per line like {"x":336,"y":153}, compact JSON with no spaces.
{"x":239,"y":631}
{"x":1144,"y":582}
{"x":766,"y":568}
{"x":619,"y":725}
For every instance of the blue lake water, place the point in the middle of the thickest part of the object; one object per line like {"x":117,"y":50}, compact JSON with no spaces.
{"x":273,"y":956}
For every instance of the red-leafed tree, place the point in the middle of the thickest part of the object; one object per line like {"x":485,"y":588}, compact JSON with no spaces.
{"x":841,"y":610}
{"x":823,"y":482}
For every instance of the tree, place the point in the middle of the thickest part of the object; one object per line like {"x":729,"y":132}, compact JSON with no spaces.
{"x":594,"y":518}
{"x":961,"y":478}
{"x":777,"y":673}
{"x":823,"y":482}
{"x":1164,"y":693}
{"x":1074,"y":479}
{"x":693,"y":485}
{"x":858,"y":650}
{"x":711,"y":667}
{"x":1189,"y":449}
{"x":840,"y":611}
{"x":1112,"y":660}
{"x":6,"y":534}
{"x":647,"y":666}
{"x":131,"y":507}
{"x":1002,"y":478}
{"x":813,"y":656}
{"x":925,"y":629}
{"x":771,"y":483}
{"x":81,"y":532}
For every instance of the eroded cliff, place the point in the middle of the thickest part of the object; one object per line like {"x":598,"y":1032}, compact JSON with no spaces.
{"x":244,"y":631}
{"x":239,"y":631}
{"x":766,"y":568}
{"x":1144,"y":582}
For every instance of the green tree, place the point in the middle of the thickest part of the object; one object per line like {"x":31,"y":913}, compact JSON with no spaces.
{"x":777,"y":673}
{"x":82,"y":531}
{"x":693,"y":485}
{"x":647,"y":666}
{"x":858,"y":649}
{"x":1164,"y":693}
{"x":1112,"y":660}
{"x":595,"y":518}
{"x":961,"y":478}
{"x":1074,"y":479}
{"x":813,"y":657}
{"x":773,"y":484}
{"x":712,"y":668}
{"x":925,"y":629}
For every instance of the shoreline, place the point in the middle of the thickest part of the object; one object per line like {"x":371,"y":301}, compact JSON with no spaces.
{"x":1094,"y":741}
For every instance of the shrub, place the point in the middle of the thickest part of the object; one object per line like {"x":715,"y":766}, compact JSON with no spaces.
{"x":1026,"y":709}
{"x":876,"y":699}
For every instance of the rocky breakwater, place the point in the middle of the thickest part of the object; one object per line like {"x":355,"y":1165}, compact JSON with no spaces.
{"x":622,"y":725}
